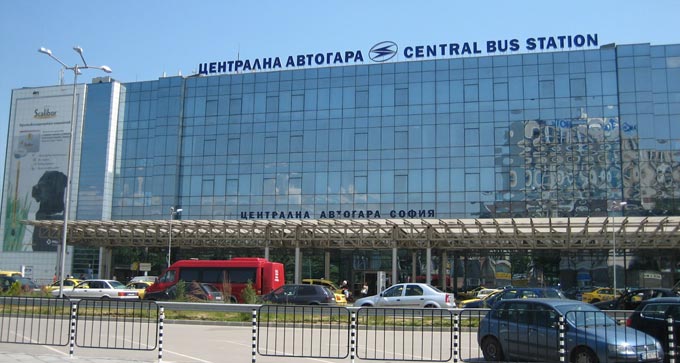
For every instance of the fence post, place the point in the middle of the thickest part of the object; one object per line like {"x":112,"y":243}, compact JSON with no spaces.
{"x":561,"y":339}
{"x":671,"y":340}
{"x":455,"y":335}
{"x":353,"y":332}
{"x":72,"y":338}
{"x":161,"y":317}
{"x":254,"y":347}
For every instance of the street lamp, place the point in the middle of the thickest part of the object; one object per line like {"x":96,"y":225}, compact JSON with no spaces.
{"x":615,"y":205}
{"x":67,"y":202}
{"x":173,"y":213}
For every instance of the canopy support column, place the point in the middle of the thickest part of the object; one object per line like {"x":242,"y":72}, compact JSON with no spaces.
{"x":395,"y":264}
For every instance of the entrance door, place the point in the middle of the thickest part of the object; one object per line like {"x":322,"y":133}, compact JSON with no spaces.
{"x":371,"y":278}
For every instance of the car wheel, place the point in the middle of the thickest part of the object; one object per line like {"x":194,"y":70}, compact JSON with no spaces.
{"x":492,"y":350}
{"x":367,"y":305}
{"x":430,"y":306}
{"x":593,"y":301}
{"x":583,"y":355}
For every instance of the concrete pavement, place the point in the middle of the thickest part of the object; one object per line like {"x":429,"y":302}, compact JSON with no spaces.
{"x":20,"y":357}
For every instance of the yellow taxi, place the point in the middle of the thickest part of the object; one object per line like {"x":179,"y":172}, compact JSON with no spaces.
{"x":11,"y":273}
{"x":599,"y":294}
{"x":68,"y":284}
{"x":478,"y":302}
{"x":340,"y":297}
{"x":470,"y":294}
{"x":140,"y":286}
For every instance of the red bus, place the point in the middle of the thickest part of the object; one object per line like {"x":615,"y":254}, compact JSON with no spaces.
{"x":234,"y":274}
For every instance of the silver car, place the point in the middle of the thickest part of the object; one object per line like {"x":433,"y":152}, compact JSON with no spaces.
{"x":411,"y":295}
{"x":99,"y":289}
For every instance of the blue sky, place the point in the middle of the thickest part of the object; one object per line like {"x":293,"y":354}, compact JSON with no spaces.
{"x":142,"y":40}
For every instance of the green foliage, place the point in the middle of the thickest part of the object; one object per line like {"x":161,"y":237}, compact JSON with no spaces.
{"x":14,"y":290}
{"x":181,"y":291}
{"x":249,"y":295}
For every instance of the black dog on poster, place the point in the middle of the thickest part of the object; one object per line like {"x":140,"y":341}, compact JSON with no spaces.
{"x":49,"y":192}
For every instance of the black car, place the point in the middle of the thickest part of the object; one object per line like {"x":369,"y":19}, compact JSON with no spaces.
{"x":193,"y":292}
{"x":26,"y":284}
{"x":651,"y":317}
{"x":301,"y":295}
{"x":632,"y":299}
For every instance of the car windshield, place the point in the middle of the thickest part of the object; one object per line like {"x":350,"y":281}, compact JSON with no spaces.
{"x":583,"y":315}
{"x":551,"y":293}
{"x":210,"y":288}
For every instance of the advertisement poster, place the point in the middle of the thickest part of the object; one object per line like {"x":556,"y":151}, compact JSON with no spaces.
{"x":37,"y":163}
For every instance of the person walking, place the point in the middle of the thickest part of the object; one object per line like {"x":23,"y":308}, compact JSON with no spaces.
{"x":364,"y":290}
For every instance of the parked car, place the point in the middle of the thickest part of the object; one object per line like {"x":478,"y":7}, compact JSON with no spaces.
{"x":150,"y":279}
{"x":600,"y":294}
{"x":576,"y":293}
{"x":194,"y":291}
{"x":415,"y":295}
{"x":650,"y":317}
{"x":340,"y":297}
{"x":527,"y":330}
{"x":301,"y":295}
{"x":68,"y":284}
{"x":519,"y":293}
{"x":140,"y":286}
{"x":477,"y":302}
{"x":99,"y":289}
{"x":11,"y":273}
{"x":468,"y":292}
{"x":632,"y":299}
{"x":26,"y":284}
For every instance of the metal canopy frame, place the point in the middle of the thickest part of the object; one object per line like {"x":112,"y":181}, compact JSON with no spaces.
{"x":459,"y":234}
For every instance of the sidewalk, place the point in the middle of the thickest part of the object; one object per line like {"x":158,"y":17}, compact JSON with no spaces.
{"x":51,"y":358}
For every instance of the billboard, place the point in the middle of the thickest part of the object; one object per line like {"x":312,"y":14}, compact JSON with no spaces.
{"x":36,"y":165}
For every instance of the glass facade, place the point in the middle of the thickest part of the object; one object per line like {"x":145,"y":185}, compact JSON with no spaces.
{"x":553,"y":134}
{"x":530,"y":135}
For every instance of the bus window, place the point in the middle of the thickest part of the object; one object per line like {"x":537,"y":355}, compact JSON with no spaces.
{"x":191,"y":274}
{"x":242,"y":275}
{"x":212,"y":275}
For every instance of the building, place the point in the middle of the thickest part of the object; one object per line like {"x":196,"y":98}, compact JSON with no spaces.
{"x":518,"y":130}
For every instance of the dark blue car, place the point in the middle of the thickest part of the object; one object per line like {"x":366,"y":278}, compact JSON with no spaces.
{"x":522,"y":330}
{"x":517,"y":293}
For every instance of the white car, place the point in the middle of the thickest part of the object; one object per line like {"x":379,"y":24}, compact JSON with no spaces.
{"x":412,"y":295}
{"x":99,"y":289}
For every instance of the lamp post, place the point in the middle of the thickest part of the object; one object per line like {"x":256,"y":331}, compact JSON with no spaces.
{"x":173,"y":213}
{"x":74,"y":116}
{"x":615,"y":205}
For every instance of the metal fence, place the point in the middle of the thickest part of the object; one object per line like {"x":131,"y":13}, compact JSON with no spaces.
{"x":108,"y":324}
{"x":404,"y":334}
{"x":380,"y":334}
{"x":303,"y":331}
{"x":116,"y":324}
{"x":30,"y":320}
{"x":433,"y":335}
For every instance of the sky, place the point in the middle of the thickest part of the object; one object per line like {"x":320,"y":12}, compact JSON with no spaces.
{"x":143,"y":40}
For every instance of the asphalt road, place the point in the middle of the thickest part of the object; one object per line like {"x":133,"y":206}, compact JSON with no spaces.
{"x":188,"y":343}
